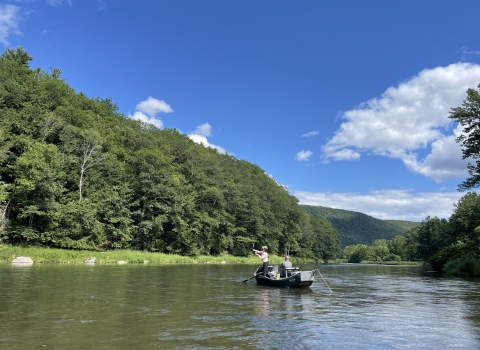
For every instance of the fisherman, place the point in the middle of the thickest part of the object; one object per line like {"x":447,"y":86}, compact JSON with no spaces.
{"x":263,"y":254}
{"x":286,"y":264}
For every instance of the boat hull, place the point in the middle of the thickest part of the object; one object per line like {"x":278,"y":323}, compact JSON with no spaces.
{"x":299,"y":280}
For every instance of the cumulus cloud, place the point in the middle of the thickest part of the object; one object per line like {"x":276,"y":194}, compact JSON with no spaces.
{"x":310,"y":134}
{"x":387,"y":204}
{"x":204,"y":130}
{"x":146,"y":119}
{"x":303,"y":155}
{"x":56,"y":3}
{"x":408,"y":118}
{"x":9,"y":19}
{"x":146,"y":111}
{"x":199,"y":135}
{"x":151,"y":106}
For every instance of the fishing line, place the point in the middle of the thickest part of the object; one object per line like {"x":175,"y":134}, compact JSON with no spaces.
{"x":317,"y":270}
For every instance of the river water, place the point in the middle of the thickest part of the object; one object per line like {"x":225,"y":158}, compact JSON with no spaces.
{"x":208,"y":307}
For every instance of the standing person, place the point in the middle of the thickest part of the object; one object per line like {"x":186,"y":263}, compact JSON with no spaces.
{"x":263,"y":254}
{"x":287,"y":263}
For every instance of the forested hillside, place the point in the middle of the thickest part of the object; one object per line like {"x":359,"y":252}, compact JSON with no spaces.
{"x":358,"y":228}
{"x":75,"y":173}
{"x":404,"y":225}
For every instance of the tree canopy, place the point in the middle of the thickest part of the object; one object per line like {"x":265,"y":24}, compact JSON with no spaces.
{"x":76,"y":173}
{"x":468,"y":116}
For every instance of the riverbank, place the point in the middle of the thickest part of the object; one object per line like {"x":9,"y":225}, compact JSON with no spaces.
{"x":394,"y":262}
{"x":66,"y":256}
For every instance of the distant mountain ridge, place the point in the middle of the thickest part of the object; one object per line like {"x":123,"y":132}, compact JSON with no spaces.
{"x":359,"y":228}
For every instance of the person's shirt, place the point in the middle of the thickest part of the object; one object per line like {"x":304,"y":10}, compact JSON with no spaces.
{"x":286,"y":264}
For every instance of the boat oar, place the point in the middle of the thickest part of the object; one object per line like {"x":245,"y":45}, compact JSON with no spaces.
{"x":248,"y":279}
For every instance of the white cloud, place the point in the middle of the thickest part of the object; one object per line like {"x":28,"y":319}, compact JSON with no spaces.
{"x":204,"y":130}
{"x":387,"y":204}
{"x":147,"y":110}
{"x":200,"y":134}
{"x":203,"y":141}
{"x":345,"y":154}
{"x":444,"y":162}
{"x":151,"y":106}
{"x":303,"y":155}
{"x":466,"y":52}
{"x":9,"y":19}
{"x":408,"y":118}
{"x":144,"y":118}
{"x":59,"y":2}
{"x":310,"y":134}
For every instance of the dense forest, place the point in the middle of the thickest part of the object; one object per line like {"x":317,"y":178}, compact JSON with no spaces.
{"x":358,"y":228}
{"x":451,"y":246}
{"x":75,"y":173}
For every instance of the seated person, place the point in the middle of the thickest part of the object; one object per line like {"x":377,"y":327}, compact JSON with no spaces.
{"x":284,"y":265}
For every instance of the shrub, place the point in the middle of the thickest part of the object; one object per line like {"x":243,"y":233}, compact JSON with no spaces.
{"x":468,"y":265}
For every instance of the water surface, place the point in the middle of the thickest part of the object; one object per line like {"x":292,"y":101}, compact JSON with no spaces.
{"x":208,"y":307}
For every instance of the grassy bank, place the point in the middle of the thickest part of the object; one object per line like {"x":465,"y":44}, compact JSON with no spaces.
{"x":390,"y":262}
{"x":64,"y":256}
{"x":394,"y":262}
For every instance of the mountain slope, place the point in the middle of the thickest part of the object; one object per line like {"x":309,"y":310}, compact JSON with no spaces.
{"x":404,"y":225}
{"x":359,"y":228}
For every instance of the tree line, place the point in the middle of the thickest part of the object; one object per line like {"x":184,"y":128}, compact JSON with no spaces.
{"x":451,"y":246}
{"x":75,"y":173}
{"x":359,"y":228}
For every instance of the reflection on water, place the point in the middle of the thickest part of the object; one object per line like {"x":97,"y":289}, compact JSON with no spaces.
{"x":207,"y":307}
{"x":262,"y":303}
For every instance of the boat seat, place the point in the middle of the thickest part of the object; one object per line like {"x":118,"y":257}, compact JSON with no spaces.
{"x":291,"y":271}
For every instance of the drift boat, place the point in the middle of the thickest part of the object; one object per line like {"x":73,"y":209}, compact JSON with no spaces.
{"x":294,"y":277}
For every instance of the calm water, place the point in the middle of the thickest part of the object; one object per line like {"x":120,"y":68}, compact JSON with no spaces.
{"x":208,"y":307}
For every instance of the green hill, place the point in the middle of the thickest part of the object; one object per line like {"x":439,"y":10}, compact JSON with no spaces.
{"x":404,"y":225}
{"x":75,"y":173}
{"x":358,"y":228}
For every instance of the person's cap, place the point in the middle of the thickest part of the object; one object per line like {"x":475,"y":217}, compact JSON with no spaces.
{"x":264,"y":247}
{"x":287,"y":257}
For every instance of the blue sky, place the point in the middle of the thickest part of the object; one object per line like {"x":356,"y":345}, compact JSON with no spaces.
{"x":344,"y":102}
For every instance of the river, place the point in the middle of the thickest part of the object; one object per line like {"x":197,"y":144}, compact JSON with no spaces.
{"x":208,"y":307}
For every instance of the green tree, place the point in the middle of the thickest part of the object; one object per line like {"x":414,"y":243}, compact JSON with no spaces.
{"x":356,"y":253}
{"x":380,"y":248}
{"x":398,"y":246}
{"x":468,"y":115}
{"x":465,"y":220}
{"x":39,"y":183}
{"x":327,"y":240}
{"x":432,"y":235}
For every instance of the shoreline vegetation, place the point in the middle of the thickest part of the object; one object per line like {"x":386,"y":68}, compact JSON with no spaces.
{"x":45,"y":255}
{"x":65,"y":256}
